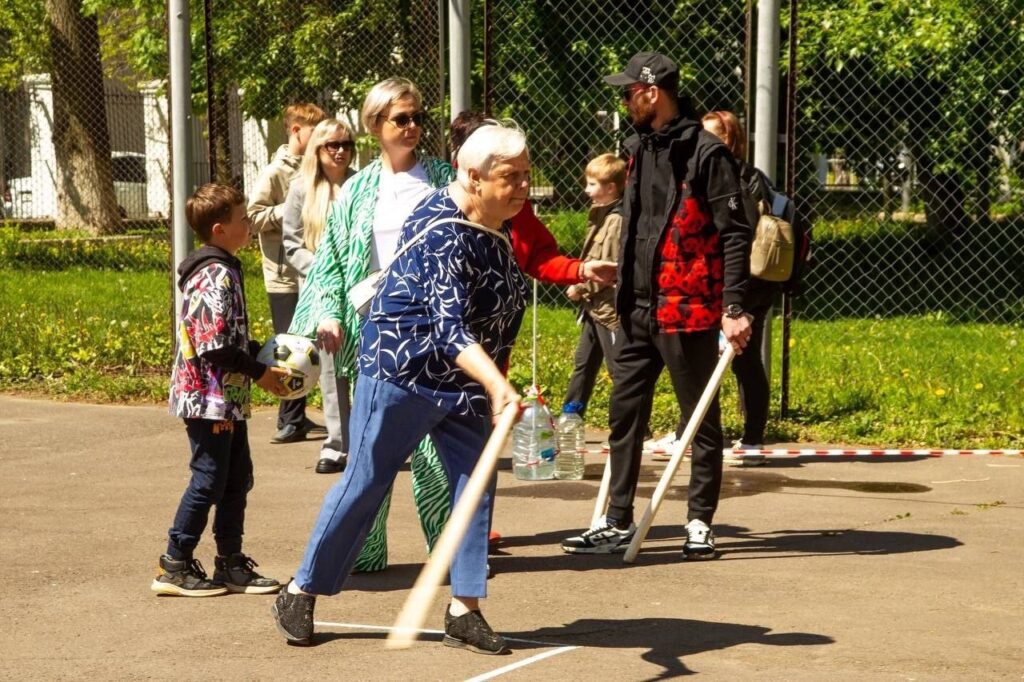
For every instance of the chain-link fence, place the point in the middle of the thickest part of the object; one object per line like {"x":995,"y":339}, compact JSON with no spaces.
{"x":545,"y":71}
{"x":85,"y":168}
{"x":909,"y":145}
{"x":910,"y":138}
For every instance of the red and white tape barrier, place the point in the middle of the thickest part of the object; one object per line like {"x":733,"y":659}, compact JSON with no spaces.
{"x":776,"y":453}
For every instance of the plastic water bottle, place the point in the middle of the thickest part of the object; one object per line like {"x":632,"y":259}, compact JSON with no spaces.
{"x":533,"y":441}
{"x":572,"y":443}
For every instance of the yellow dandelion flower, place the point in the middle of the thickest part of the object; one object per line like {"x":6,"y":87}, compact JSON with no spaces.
{"x":1005,"y":370}
{"x":978,"y":386}
{"x":940,"y":392}
{"x":792,"y":342}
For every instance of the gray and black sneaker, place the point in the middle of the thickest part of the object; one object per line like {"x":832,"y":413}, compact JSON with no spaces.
{"x":185,"y":578}
{"x":700,"y":541}
{"x":235,"y":572}
{"x":293,"y":615}
{"x":471,"y":631}
{"x":604,"y":539}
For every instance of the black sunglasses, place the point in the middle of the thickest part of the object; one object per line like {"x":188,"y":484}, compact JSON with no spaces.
{"x":628,"y":93}
{"x":404,"y":120}
{"x":334,"y":145}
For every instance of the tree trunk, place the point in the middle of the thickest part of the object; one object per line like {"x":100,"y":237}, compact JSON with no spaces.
{"x":944,"y":200}
{"x":81,"y":140}
{"x":220,"y":137}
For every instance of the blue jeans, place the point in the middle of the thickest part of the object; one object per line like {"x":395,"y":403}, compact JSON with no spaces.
{"x":221,"y":476}
{"x":386,"y":425}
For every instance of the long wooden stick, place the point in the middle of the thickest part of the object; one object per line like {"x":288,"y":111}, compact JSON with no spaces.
{"x":677,"y":452}
{"x":421,"y":598}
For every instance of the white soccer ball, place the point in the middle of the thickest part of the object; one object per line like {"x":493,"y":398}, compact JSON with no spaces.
{"x":296,"y":354}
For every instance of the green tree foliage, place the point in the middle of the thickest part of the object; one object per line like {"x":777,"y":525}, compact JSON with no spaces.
{"x":549,"y":57}
{"x":280,"y":51}
{"x":941,"y":77}
{"x":24,"y":48}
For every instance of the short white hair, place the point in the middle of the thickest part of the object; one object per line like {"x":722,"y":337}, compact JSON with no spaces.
{"x":383,"y":95}
{"x":489,"y":144}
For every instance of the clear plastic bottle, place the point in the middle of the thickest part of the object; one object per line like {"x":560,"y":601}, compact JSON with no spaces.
{"x":572,"y":443}
{"x":533,"y":441}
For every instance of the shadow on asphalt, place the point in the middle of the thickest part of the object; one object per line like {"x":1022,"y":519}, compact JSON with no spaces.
{"x":734,"y":543}
{"x":666,"y":641}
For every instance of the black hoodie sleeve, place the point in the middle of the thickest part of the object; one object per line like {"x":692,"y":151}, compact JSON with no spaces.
{"x":732,"y":217}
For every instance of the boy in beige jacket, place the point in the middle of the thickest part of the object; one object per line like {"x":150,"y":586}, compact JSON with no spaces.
{"x":606,"y":177}
{"x":266,"y":208}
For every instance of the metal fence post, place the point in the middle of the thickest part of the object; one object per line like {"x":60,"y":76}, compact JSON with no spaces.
{"x":179,"y":50}
{"x":459,"y":55}
{"x":766,"y":125}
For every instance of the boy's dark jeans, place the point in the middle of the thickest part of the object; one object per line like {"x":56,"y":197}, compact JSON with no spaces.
{"x":221,"y":476}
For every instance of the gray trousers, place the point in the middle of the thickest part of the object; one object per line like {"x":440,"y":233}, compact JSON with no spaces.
{"x":337,"y":406}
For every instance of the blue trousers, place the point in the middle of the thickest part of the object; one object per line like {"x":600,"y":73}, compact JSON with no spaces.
{"x":221,"y":476}
{"x":386,"y":425}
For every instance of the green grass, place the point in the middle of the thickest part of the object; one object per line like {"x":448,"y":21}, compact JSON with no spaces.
{"x":897,"y":382}
{"x":105,"y":335}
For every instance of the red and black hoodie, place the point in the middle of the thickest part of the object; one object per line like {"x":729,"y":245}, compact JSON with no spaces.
{"x":687,"y":229}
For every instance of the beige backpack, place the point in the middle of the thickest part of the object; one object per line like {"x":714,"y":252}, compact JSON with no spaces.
{"x":773,"y":248}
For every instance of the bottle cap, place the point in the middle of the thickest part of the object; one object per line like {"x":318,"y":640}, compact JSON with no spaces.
{"x":574,"y":407}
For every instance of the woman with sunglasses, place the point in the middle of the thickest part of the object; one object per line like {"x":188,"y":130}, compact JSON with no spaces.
{"x":322,"y":172}
{"x":361,"y":235}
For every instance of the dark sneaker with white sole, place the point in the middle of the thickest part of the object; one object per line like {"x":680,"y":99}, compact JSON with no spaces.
{"x":185,"y":578}
{"x":700,"y":542}
{"x":236,"y":573}
{"x":470,"y":631}
{"x":293,"y":615}
{"x":604,"y":539}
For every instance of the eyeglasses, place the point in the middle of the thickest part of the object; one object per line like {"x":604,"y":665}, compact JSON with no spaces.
{"x":403,"y":121}
{"x":628,"y":93}
{"x":335,"y":145}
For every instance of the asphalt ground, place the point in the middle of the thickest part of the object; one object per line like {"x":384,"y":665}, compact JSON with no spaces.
{"x":882,"y":570}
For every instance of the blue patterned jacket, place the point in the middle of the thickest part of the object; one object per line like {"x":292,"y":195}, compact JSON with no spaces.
{"x":455,"y":287}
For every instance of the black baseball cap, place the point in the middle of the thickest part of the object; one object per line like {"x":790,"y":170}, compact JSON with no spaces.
{"x":649,"y":68}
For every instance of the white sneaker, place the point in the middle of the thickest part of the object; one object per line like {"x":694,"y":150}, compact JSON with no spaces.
{"x":606,"y":538}
{"x":700,"y":542}
{"x":738,"y":447}
{"x":661,"y":449}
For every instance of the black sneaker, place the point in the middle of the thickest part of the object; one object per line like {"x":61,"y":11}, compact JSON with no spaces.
{"x":293,"y":615}
{"x":289,"y":433}
{"x":604,"y":539}
{"x":471,"y":631}
{"x":235,"y":572}
{"x":700,"y":541}
{"x":185,"y":578}
{"x":312,"y":428}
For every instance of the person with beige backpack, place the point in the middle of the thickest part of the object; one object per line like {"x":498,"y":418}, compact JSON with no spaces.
{"x":772,"y":256}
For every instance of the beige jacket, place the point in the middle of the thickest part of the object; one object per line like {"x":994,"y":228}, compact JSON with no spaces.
{"x":266,"y":208}
{"x":604,"y":223}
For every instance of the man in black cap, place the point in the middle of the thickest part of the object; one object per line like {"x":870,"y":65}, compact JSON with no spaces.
{"x":684,"y":263}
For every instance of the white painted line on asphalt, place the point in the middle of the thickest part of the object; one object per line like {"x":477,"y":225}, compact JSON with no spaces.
{"x":388,"y":628}
{"x":521,"y":664}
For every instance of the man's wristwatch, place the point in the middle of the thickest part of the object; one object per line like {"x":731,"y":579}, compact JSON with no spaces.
{"x":734,"y":311}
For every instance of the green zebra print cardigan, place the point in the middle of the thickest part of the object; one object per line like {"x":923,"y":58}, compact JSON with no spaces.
{"x":343,"y":259}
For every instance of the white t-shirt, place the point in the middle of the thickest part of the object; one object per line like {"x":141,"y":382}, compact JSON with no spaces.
{"x":397,"y":195}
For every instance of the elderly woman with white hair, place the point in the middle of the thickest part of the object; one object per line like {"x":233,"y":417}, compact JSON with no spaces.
{"x":434,"y":345}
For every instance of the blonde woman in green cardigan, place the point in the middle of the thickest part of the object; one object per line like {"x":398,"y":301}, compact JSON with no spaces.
{"x":360,"y":236}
